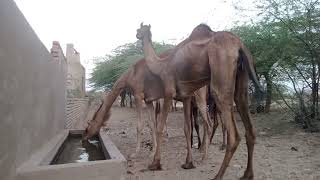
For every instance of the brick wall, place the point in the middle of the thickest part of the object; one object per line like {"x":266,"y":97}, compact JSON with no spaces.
{"x":76,"y":110}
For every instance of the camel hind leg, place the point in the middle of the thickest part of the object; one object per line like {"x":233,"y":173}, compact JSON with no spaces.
{"x":223,"y":66}
{"x":194,"y":123}
{"x":187,"y":132}
{"x":223,"y":129}
{"x":201,"y":100}
{"x":241,"y":100}
{"x":214,"y":118}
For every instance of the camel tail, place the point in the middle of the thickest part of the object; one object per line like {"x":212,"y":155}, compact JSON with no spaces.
{"x":247,"y":60}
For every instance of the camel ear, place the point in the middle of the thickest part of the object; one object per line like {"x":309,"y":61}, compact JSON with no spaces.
{"x":141,"y":24}
{"x":149,"y":26}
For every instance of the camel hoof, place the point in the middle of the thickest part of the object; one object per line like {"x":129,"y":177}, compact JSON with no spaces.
{"x":246,"y":177}
{"x":155,"y":167}
{"x":188,"y":166}
{"x":216,"y":178}
{"x":204,"y":157}
{"x":222,"y":147}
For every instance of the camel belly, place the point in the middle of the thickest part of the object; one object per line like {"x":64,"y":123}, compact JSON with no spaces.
{"x":186,"y":88}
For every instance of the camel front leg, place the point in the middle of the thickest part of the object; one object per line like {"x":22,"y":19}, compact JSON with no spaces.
{"x":138,"y":101}
{"x":187,"y":133}
{"x":160,"y":126}
{"x":153,"y":121}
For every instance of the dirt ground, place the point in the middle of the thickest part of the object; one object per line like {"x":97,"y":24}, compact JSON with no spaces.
{"x":282,"y":150}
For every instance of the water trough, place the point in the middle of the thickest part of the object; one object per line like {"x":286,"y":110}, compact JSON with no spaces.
{"x":66,"y":157}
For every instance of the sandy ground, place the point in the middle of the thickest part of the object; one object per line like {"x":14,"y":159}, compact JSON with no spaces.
{"x":275,"y":155}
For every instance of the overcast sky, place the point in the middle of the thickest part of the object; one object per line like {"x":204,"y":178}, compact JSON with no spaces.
{"x":96,"y":27}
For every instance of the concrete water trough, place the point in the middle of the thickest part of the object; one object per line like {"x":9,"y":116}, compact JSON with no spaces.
{"x":66,"y":157}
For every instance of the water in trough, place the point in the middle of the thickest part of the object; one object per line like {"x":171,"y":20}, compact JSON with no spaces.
{"x":74,"y":150}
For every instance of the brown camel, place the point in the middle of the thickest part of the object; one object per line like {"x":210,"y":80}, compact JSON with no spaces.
{"x":219,"y":59}
{"x":148,"y":87}
{"x":145,"y":86}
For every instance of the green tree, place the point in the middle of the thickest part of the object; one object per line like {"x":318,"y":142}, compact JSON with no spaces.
{"x":285,"y":39}
{"x":269,"y":43}
{"x":302,"y":20}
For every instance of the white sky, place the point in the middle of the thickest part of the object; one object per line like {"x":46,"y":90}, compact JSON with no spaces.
{"x":96,"y":27}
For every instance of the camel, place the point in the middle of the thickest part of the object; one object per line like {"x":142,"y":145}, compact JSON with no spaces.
{"x":219,"y":59}
{"x":143,"y":83}
{"x":148,"y":87}
{"x":123,"y":93}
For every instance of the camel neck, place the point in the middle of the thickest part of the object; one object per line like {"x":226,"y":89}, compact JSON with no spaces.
{"x":111,"y":97}
{"x":154,"y":63}
{"x":148,"y":49}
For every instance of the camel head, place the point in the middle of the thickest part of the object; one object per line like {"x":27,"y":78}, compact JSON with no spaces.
{"x":92,"y":129}
{"x":143,"y":31}
{"x":94,"y":125}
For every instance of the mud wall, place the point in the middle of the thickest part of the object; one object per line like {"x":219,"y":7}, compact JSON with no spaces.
{"x":32,"y":91}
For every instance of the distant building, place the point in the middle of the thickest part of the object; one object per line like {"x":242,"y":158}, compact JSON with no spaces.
{"x":76,"y":77}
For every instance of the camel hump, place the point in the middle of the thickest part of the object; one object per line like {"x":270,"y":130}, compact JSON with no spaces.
{"x":201,"y":31}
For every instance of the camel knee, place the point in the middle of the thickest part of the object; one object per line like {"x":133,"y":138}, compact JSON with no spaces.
{"x":233,"y":142}
{"x":250,"y":138}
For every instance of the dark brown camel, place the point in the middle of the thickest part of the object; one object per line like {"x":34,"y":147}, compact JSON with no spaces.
{"x":123,"y":94}
{"x":219,"y":59}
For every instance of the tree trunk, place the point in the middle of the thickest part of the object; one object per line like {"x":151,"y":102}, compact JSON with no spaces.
{"x":269,"y":92}
{"x":314,"y":90}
